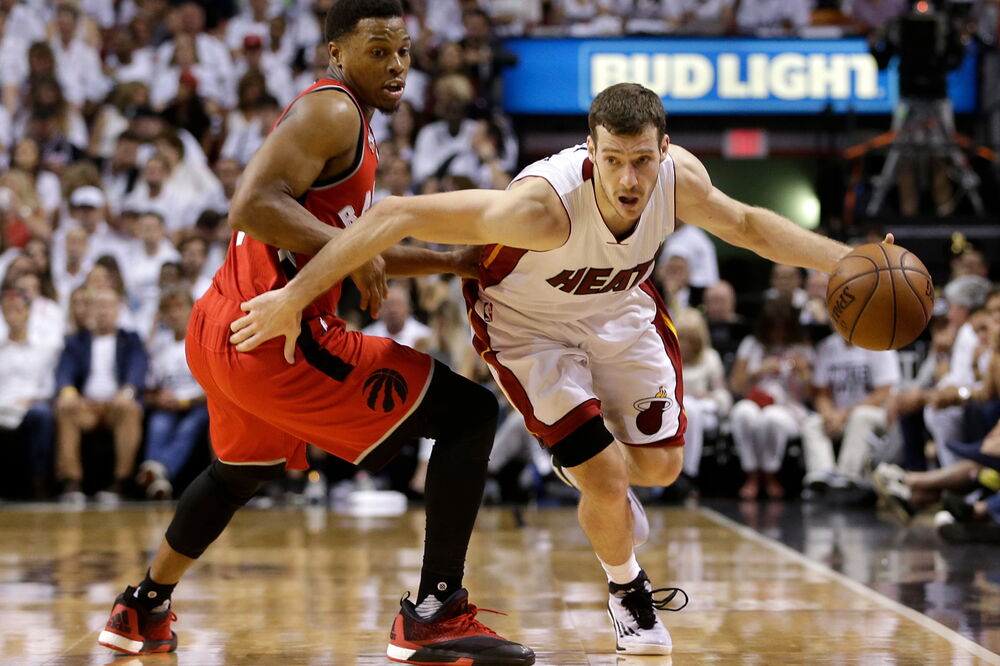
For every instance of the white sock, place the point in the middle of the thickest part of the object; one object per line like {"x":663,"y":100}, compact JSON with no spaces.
{"x":428,"y":606}
{"x":622,"y":574}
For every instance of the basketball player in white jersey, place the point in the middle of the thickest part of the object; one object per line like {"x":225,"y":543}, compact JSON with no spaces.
{"x":566,"y":316}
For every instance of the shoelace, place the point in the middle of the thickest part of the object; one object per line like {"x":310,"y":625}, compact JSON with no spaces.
{"x":640,"y":604}
{"x":465,"y":622}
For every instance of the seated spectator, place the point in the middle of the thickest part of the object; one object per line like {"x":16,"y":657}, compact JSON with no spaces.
{"x":396,"y":179}
{"x":726,"y":327}
{"x":175,"y":402}
{"x":242,"y":144}
{"x":26,"y":371}
{"x":253,"y":21}
{"x":27,"y":160}
{"x":445,"y":145}
{"x":105,"y":274}
{"x":771,"y":372}
{"x":77,"y":61}
{"x":814,"y":312}
{"x":72,"y":271}
{"x":589,"y":18}
{"x":873,"y":15}
{"x":675,"y":283}
{"x":851,"y":387}
{"x":396,"y":320}
{"x":279,"y":76}
{"x":88,"y":211}
{"x":786,"y":282}
{"x":706,"y":398}
{"x":943,"y":414}
{"x":120,"y":172}
{"x":702,"y":17}
{"x":194,"y":252}
{"x":766,"y":18}
{"x":154,"y":193}
{"x":694,"y":245}
{"x":99,"y":380}
{"x":47,"y":323}
{"x":142,"y":272}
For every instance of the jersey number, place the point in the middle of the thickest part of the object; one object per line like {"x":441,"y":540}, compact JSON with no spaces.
{"x":349,"y":216}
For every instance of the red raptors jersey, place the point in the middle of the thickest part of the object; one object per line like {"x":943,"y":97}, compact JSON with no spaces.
{"x":253,"y":267}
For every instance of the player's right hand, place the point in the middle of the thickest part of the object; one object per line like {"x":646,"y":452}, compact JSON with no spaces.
{"x":269,"y":315}
{"x":370,"y":280}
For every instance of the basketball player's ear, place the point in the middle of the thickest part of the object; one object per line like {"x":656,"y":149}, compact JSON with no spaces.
{"x":591,"y":148}
{"x":664,"y":146}
{"x":334,"y":50}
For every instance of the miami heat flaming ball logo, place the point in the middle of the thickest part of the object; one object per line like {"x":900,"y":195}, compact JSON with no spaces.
{"x":651,"y":410}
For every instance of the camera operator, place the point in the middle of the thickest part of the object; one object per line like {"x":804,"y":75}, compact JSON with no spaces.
{"x":930,"y":41}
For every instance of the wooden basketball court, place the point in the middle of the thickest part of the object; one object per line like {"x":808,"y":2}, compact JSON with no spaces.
{"x":294,"y":586}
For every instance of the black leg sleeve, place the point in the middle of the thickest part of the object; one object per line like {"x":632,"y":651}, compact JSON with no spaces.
{"x":461,"y":416}
{"x":208,"y":504}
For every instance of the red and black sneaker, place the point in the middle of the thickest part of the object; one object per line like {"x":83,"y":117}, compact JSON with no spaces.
{"x":451,"y":636}
{"x":134,"y":630}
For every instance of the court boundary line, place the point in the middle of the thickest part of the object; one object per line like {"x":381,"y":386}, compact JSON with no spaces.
{"x":947,"y":633}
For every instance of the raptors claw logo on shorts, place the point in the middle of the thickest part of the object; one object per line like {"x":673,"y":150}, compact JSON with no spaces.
{"x":386,"y":384}
{"x":650,"y":416}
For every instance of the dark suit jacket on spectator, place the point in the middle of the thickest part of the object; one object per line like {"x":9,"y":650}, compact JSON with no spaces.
{"x":130,"y":361}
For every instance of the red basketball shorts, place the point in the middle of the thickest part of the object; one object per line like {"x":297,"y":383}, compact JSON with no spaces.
{"x":345,"y":393}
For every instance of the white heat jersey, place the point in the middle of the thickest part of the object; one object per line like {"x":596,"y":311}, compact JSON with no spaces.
{"x":593,"y":270}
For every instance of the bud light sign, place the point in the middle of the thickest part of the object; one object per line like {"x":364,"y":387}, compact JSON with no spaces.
{"x":559,"y":76}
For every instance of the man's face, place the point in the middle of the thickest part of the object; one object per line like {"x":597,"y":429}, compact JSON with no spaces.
{"x":66,"y":23}
{"x":720,"y":303}
{"x":15,"y":311}
{"x":149,"y":229}
{"x":125,"y":153}
{"x":176,"y":313}
{"x":155,"y":172}
{"x":785,"y":279}
{"x":105,"y":310}
{"x":626,"y":168}
{"x":193,"y":257}
{"x":395,"y":308}
{"x":375,"y":59}
{"x":88,"y":217}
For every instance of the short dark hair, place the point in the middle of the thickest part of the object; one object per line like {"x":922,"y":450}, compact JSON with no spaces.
{"x":627,"y":109}
{"x":344,"y":16}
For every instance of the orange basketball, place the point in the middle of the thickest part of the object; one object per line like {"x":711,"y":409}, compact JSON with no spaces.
{"x":880,"y":297}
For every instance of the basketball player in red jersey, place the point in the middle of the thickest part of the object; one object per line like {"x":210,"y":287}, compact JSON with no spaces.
{"x":567,"y":318}
{"x":358,"y":397}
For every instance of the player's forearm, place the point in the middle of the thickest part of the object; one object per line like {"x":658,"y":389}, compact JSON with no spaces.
{"x":281,"y":222}
{"x":407,"y":261}
{"x":782,"y":241}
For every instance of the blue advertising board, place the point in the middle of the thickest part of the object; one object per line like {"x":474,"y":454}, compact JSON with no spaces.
{"x":713,"y":76}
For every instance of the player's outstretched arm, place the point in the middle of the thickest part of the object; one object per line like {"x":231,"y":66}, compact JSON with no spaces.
{"x":763,"y":231}
{"x":528,"y":216}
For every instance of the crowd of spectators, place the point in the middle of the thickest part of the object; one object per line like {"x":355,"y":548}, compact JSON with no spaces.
{"x":124,"y":129}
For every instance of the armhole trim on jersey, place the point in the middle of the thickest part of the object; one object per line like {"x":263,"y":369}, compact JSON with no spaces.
{"x":359,"y":156}
{"x":561,"y":200}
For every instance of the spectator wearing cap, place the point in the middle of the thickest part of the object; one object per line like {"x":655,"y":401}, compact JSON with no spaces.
{"x":100,"y":377}
{"x":279,"y":75}
{"x":88,"y":211}
{"x":27,"y":368}
{"x":77,"y":61}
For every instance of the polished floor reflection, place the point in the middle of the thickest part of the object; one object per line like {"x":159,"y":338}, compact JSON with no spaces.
{"x":316,"y":587}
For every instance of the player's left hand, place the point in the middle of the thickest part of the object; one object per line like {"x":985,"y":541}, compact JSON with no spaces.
{"x":370,"y":280}
{"x":269,"y":316}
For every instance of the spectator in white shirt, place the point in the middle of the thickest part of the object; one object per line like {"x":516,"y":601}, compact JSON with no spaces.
{"x":397,"y":322}
{"x":142,"y":271}
{"x":395,"y":179}
{"x":88,"y":211}
{"x":212,"y":53}
{"x":153,"y":193}
{"x":242,"y":145}
{"x":706,"y":398}
{"x":120,"y":171}
{"x":279,"y":75}
{"x":852,"y":387}
{"x":71,"y":271}
{"x":27,"y":370}
{"x":445,"y":146}
{"x":79,"y":64}
{"x":694,"y":245}
{"x":194,"y":253}
{"x":185,"y":59}
{"x":27,"y":161}
{"x":178,"y":416}
{"x":786,"y":282}
{"x":48,"y":323}
{"x":253,"y":20}
{"x":125,"y":61}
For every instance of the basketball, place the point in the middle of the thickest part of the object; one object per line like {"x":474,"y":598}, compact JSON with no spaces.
{"x":880,"y":297}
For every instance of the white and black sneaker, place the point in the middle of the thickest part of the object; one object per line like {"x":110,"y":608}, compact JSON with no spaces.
{"x":640,"y":524}
{"x":888,"y":480}
{"x":632,"y":608}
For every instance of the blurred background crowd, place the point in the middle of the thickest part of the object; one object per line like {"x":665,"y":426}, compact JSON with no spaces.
{"x":125,"y":126}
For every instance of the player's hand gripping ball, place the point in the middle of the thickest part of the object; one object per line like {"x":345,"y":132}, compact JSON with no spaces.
{"x":880,"y":296}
